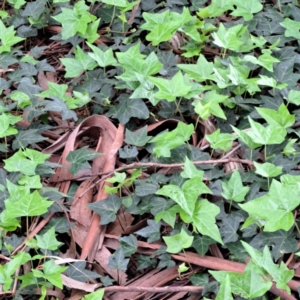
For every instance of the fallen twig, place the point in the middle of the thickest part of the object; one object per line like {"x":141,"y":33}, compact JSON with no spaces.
{"x":154,"y":289}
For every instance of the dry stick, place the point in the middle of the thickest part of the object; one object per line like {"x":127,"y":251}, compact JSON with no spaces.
{"x":165,"y":289}
{"x":220,"y":264}
{"x":159,"y":165}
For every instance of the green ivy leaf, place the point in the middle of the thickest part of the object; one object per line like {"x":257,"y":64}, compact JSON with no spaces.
{"x":25,"y":161}
{"x":224,"y":292}
{"x":169,"y":90}
{"x":280,"y":273}
{"x":210,"y":105}
{"x":199,"y":71}
{"x":137,"y":138}
{"x":275,"y":207}
{"x":74,"y":20}
{"x":267,"y":170}
{"x":107,"y":209}
{"x":81,"y":62}
{"x":246,"y":9}
{"x":80,"y":157}
{"x":204,"y":219}
{"x":97,"y":295}
{"x":51,"y":272}
{"x":27,"y":206}
{"x":266,"y":135}
{"x":282,"y":117}
{"x":291,"y":28}
{"x":102,"y":58}
{"x":8,"y":38}
{"x":220,"y":141}
{"x":167,"y":141}
{"x":234,"y":189}
{"x":178,"y":242}
{"x":48,"y":240}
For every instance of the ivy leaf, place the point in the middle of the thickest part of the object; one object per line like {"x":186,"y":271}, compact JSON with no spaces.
{"x":291,"y":28}
{"x":48,"y":240}
{"x":220,"y":141}
{"x":107,"y":209}
{"x":246,"y":138}
{"x":276,"y":207}
{"x":178,"y":242}
{"x":74,"y":20}
{"x":25,"y":161}
{"x":190,"y":170}
{"x":280,"y":273}
{"x":137,"y":138}
{"x":228,"y":38}
{"x":163,"y":25}
{"x":266,"y":135}
{"x":210,"y":105}
{"x":234,"y":189}
{"x":282,"y":117}
{"x":169,"y":90}
{"x":294,"y":97}
{"x":224,"y":292}
{"x":167,"y":141}
{"x":51,"y":272}
{"x":204,"y":219}
{"x":267,"y":170}
{"x":97,"y":295}
{"x":79,"y":158}
{"x":246,"y":9}
{"x":34,"y":9}
{"x":81,"y":62}
{"x":102,"y":58}
{"x":199,"y":71}
{"x":27,"y":206}
{"x":8,"y":38}
{"x":128,"y":244}
{"x":248,"y":285}
{"x":151,"y":232}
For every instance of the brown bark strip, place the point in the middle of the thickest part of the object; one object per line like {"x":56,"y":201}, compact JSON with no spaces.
{"x":95,"y":229}
{"x":154,"y":289}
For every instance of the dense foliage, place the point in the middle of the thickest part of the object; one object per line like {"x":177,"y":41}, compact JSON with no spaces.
{"x":149,"y":144}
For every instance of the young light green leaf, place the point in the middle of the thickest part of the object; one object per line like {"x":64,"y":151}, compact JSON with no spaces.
{"x":229,"y":38}
{"x":97,"y":295}
{"x":81,"y":62}
{"x":169,"y":90}
{"x":167,"y":141}
{"x":267,"y":170}
{"x":102,"y":58}
{"x":234,"y":189}
{"x":178,"y":242}
{"x":266,"y":135}
{"x":294,"y":97}
{"x":224,"y":292}
{"x":51,"y":272}
{"x":246,"y":138}
{"x":48,"y":240}
{"x":246,"y":9}
{"x":199,"y":71}
{"x":248,"y":285}
{"x":8,"y":38}
{"x":204,"y":219}
{"x":25,"y":161}
{"x":190,"y":170}
{"x":280,"y":273}
{"x":220,"y":141}
{"x":27,"y":206}
{"x":282,"y":117}
{"x":291,"y":28}
{"x":210,"y":105}
{"x":74,"y":20}
{"x":276,"y":207}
